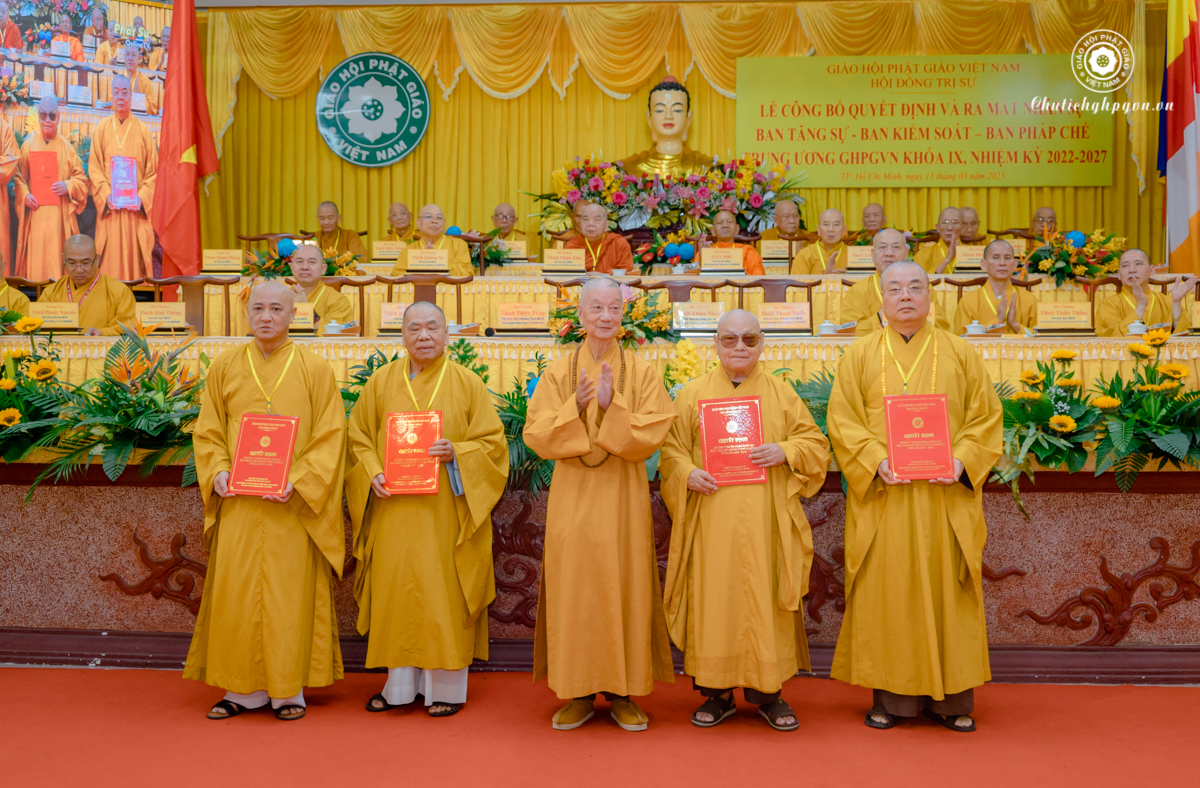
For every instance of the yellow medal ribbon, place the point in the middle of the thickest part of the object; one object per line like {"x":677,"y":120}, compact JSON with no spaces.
{"x":4,"y":289}
{"x":436,"y":389}
{"x":282,"y":375}
{"x":887,"y":348}
{"x":319,"y":291}
{"x":1149,"y":306}
{"x":595,"y":256}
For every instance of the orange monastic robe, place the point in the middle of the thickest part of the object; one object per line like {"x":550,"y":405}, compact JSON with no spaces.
{"x":43,"y":229}
{"x":76,"y":46}
{"x":752,"y":262}
{"x":12,"y":36}
{"x":613,"y":252}
{"x":124,"y":239}
{"x":158,"y":60}
{"x":10,"y":156}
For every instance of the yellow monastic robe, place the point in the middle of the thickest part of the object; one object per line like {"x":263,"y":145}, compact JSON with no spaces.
{"x":158,"y":59}
{"x":1115,"y":313}
{"x":812,"y":259}
{"x":10,"y":157}
{"x":12,"y":299}
{"x":930,"y":256}
{"x":600,"y":624}
{"x":43,"y":230}
{"x":330,"y":305}
{"x":124,"y":239}
{"x":425,"y":575}
{"x":341,"y":240}
{"x":862,"y":302}
{"x":914,"y":622}
{"x":740,"y":558}
{"x":408,"y":236}
{"x":267,"y":619}
{"x":105,"y":306}
{"x":459,"y":262}
{"x":981,"y":304}
{"x":105,"y":52}
{"x":139,"y":84}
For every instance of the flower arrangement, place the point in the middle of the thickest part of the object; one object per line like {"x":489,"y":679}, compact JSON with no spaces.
{"x":339,"y":264}
{"x":684,"y":366}
{"x":39,"y":34}
{"x":466,"y":356}
{"x":646,"y":318}
{"x":494,"y":253}
{"x":670,"y":249}
{"x":1066,"y":257}
{"x":268,"y":264}
{"x":80,"y":11}
{"x":24,"y":377}
{"x":528,"y":474}
{"x":14,"y":91}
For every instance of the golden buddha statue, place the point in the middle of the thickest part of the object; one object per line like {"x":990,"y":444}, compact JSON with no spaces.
{"x":669,"y":114}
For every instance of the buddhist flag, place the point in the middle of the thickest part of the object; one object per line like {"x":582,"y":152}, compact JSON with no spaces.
{"x":186,"y":151}
{"x":1178,"y":145}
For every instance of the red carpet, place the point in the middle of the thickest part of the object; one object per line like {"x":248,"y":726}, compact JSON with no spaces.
{"x":135,"y":728}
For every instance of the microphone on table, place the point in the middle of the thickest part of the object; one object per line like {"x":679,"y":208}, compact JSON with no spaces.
{"x":489,"y":332}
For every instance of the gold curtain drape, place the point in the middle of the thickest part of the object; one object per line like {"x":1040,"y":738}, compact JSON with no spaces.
{"x":859,"y":28}
{"x":972,"y":27}
{"x":621,"y":45}
{"x":720,"y":34}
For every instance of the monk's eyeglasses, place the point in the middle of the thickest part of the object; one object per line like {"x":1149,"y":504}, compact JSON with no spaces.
{"x":509,"y":216}
{"x":731,"y":340}
{"x":47,"y":115}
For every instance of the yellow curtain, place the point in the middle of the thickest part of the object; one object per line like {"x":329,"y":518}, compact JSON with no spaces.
{"x":720,"y":34}
{"x":972,"y":27}
{"x":410,"y":32}
{"x":865,"y":28}
{"x":281,"y":48}
{"x":621,"y":44}
{"x":1060,"y":23}
{"x":505,"y":47}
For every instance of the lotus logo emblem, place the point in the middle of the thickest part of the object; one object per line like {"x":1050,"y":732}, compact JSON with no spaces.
{"x":918,"y":422}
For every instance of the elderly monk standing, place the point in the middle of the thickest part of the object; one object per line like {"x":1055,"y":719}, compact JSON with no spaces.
{"x":267,"y":626}
{"x":124,"y":236}
{"x":603,"y":251}
{"x":400,"y":226}
{"x":44,"y":227}
{"x":741,"y":553}
{"x":425,"y":576}
{"x":863,"y":301}
{"x":308,"y":266}
{"x":1137,"y":301}
{"x":104,"y":303}
{"x":938,"y":258}
{"x":914,"y":629}
{"x":431,"y":234}
{"x":828,"y":255}
{"x":332,"y":239}
{"x":600,"y":412}
{"x":999,"y":303}
{"x":724,"y":230}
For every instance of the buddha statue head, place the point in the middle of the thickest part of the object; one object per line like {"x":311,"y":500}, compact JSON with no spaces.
{"x":669,"y":113}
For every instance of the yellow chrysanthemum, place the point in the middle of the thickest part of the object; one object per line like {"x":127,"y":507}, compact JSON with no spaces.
{"x":27,"y":325}
{"x":1080,"y":270}
{"x":1168,"y":385}
{"x":1064,"y":355}
{"x":1157,"y":337}
{"x":7,"y":384}
{"x":1062,"y":423}
{"x":1026,"y":395}
{"x":9,"y":417}
{"x":1068,"y":383}
{"x":1173,"y":371}
{"x":1106,"y":403}
{"x":1031,"y":378}
{"x":1139,"y":350}
{"x":1044,"y":265}
{"x":42,"y":370}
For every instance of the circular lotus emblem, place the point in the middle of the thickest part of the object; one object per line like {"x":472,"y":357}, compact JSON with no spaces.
{"x":918,"y":422}
{"x":264,"y":441}
{"x":372,"y":109}
{"x":411,"y":437}
{"x":1102,"y":61}
{"x":731,"y":426}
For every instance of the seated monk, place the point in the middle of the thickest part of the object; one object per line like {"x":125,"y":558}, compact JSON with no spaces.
{"x":332,"y":239}
{"x":431,"y":234}
{"x":308,"y":266}
{"x":863,"y":303}
{"x":1137,"y":301}
{"x":603,"y":251}
{"x":938,"y":258}
{"x":828,"y":255}
{"x":107,"y":46}
{"x":104,"y":303}
{"x":400,"y":226}
{"x":64,"y":34}
{"x":504,"y":219}
{"x":10,"y":33}
{"x":12,"y":299}
{"x":724,"y":230}
{"x":1044,"y":222}
{"x":998,"y":304}
{"x":97,"y":29}
{"x":969,"y":229}
{"x":158,"y":57}
{"x":787,"y":222}
{"x":873,"y":219}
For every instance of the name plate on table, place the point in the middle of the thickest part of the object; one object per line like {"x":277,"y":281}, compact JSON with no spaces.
{"x":784,"y":317}
{"x":138,"y":103}
{"x":563,"y":261}
{"x":1196,"y":317}
{"x":729,"y":429}
{"x":55,"y":315}
{"x":60,"y":49}
{"x":434,"y":261}
{"x":89,"y":42}
{"x":721,"y":261}
{"x":387,"y":250}
{"x":968,"y":256}
{"x":1019,"y":245}
{"x":303,"y":321}
{"x":858,"y":258}
{"x":39,"y":89}
{"x":1063,"y":316}
{"x":516,"y":249}
{"x":223,"y":261}
{"x":522,"y":317}
{"x":918,"y":436}
{"x":774,"y":249}
{"x":162,"y":314}
{"x":263,"y":455}
{"x":391,"y":315}
{"x":407,"y":467}
{"x":118,"y":56}
{"x":696,"y":315}
{"x":79,"y":95}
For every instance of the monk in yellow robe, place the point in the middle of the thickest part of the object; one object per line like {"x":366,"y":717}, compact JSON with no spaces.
{"x":938,"y":258}
{"x":914,"y":630}
{"x":332,"y":239}
{"x":45,"y":227}
{"x":308,"y":266}
{"x":12,"y":299}
{"x":603,"y":251}
{"x":267,"y":626}
{"x":64,"y":34}
{"x":158,"y":57}
{"x":725,"y":228}
{"x":400,"y":226}
{"x":504,"y":219}
{"x":106,"y":52}
{"x":669,"y":114}
{"x":425,"y":573}
{"x":10,"y":157}
{"x":787,"y":223}
{"x":10,"y":33}
{"x":862,"y":303}
{"x":828,"y":255}
{"x":97,"y":28}
{"x":104,"y":303}
{"x":1137,"y":302}
{"x":998,"y":305}
{"x":124,"y":235}
{"x":431,"y":234}
{"x":138,"y":82}
{"x":873,"y":218}
{"x":740,"y":554}
{"x":968,"y":231}
{"x":600,"y":412}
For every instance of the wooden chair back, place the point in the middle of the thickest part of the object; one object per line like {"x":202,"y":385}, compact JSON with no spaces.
{"x":681,"y":292}
{"x":425,"y":288}
{"x":19,"y":282}
{"x":360,"y":283}
{"x":775,"y":290}
{"x":192,"y":290}
{"x":272,"y":239}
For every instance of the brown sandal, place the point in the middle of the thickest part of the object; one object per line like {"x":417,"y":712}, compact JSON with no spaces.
{"x":774,"y":711}
{"x":883,"y":726}
{"x":718,"y":707}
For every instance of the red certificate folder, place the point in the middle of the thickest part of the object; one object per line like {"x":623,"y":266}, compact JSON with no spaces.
{"x":729,"y":429}
{"x":263,"y":455}
{"x":123,"y":179}
{"x":407,"y":467}
{"x":43,"y":172}
{"x":918,"y":436}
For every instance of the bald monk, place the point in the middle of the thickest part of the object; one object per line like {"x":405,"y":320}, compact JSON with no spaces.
{"x":938,"y":258}
{"x":828,"y":255}
{"x":787,"y":222}
{"x":1044,"y":222}
{"x":999,"y":304}
{"x":873,"y":218}
{"x":603,"y":251}
{"x":504,"y":219}
{"x":426,"y":576}
{"x":862,"y":302}
{"x":725,"y":228}
{"x":124,"y":236}
{"x":740,"y":554}
{"x":1137,"y":301}
{"x":10,"y":158}
{"x":600,"y":412}
{"x":914,"y":630}
{"x":158,"y":57}
{"x":12,"y":299}
{"x":331,"y":238}
{"x":44,"y":227}
{"x":97,"y":28}
{"x":968,"y":231}
{"x":63,"y":33}
{"x":10,"y":33}
{"x":308,"y":266}
{"x":431,"y":234}
{"x":104,"y":303}
{"x":138,"y":82}
{"x":400,"y":223}
{"x":267,"y":626}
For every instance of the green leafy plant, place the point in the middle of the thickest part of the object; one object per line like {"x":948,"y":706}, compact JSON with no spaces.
{"x":465,"y":355}
{"x":528,"y":474}
{"x":646,"y":318}
{"x":24,"y":377}
{"x":493,"y":253}
{"x":815,"y":392}
{"x":360,"y":374}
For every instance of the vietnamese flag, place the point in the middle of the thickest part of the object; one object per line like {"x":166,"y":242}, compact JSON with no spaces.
{"x":1179,"y":137}
{"x":186,"y":151}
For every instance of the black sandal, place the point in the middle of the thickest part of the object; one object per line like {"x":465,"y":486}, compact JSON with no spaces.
{"x":379,"y":697}
{"x":279,"y":713}
{"x":883,"y":726}
{"x":949,"y":721}
{"x":775,"y":710}
{"x":451,"y":709}
{"x":231,"y":710}
{"x":718,"y":707}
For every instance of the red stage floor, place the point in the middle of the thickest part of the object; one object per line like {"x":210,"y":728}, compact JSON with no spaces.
{"x":135,"y":728}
